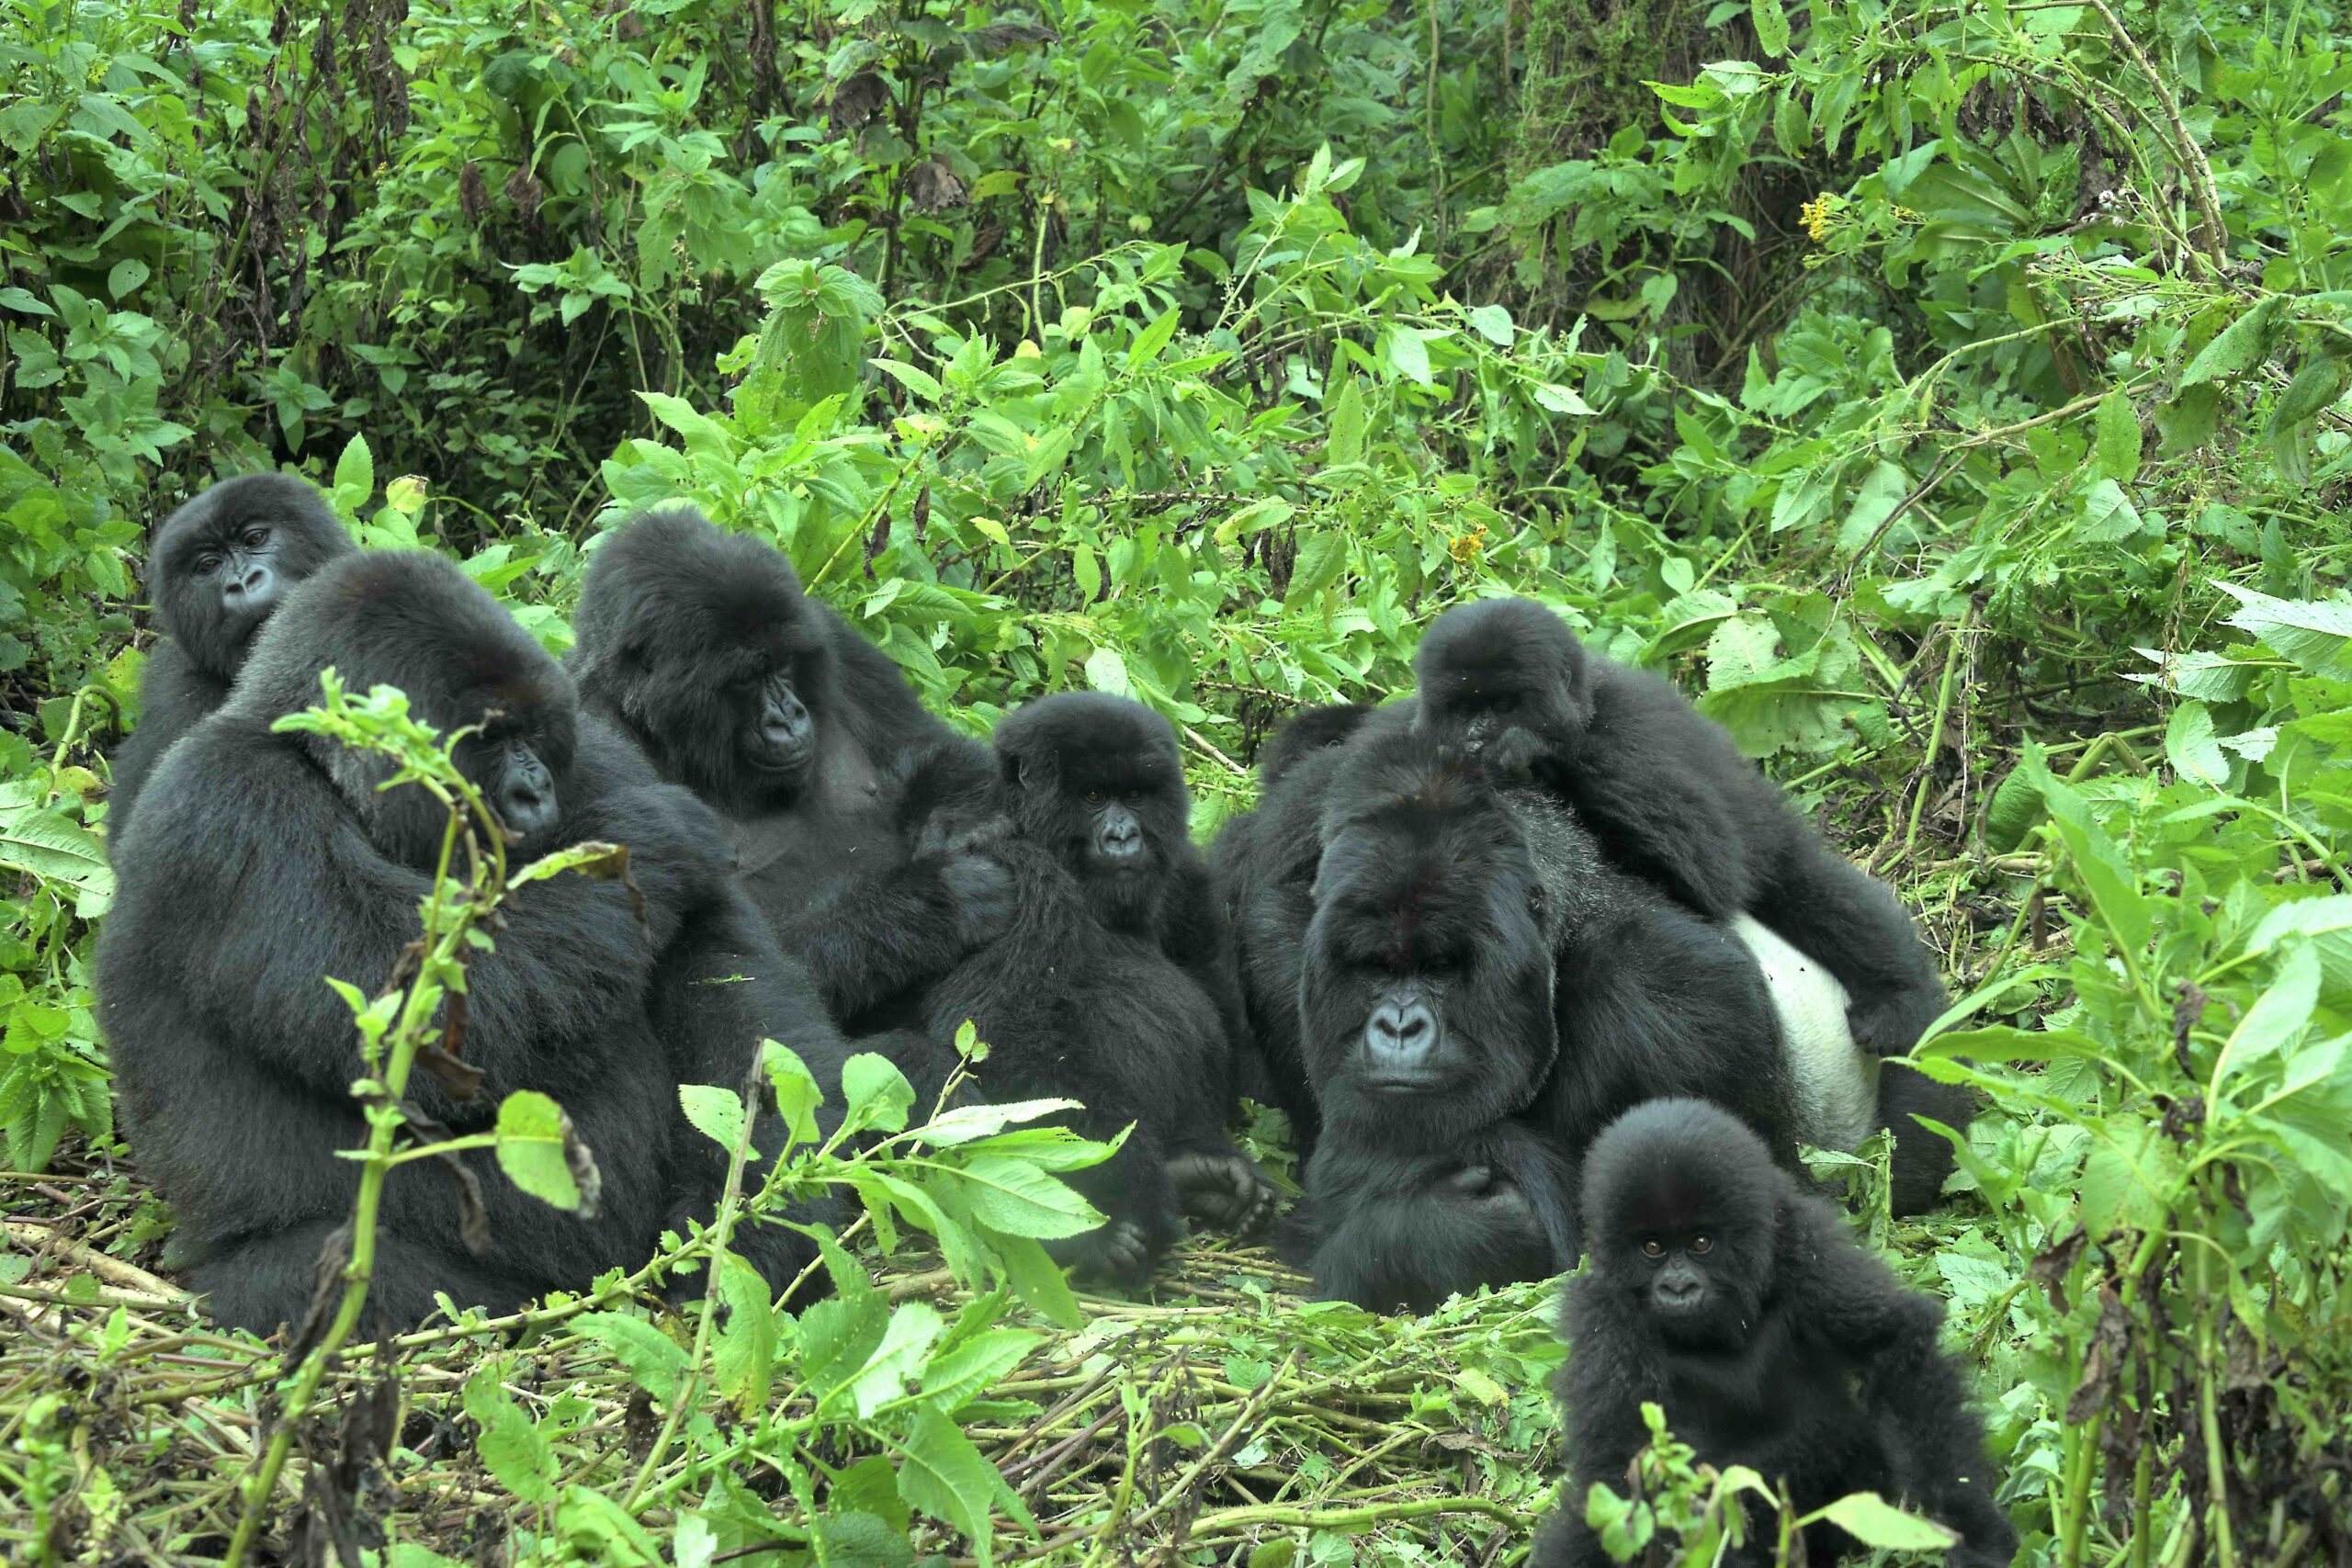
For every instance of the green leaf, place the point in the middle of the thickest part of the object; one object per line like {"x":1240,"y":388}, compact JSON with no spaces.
{"x":922,"y":383}
{"x":797,"y":1094}
{"x":2119,"y":437}
{"x":1343,"y":445}
{"x":2190,"y":747}
{"x":1493,"y":323}
{"x":354,"y":476}
{"x":742,"y":1353}
{"x":1322,"y":553}
{"x":1150,"y":341}
{"x":942,"y":1473}
{"x":1107,"y":671}
{"x":965,"y":1123}
{"x":538,"y":1153}
{"x":1088,"y":575}
{"x":1771,"y":25}
{"x":717,"y":1113}
{"x":43,"y":842}
{"x":1038,"y":1280}
{"x":2108,"y":514}
{"x":2240,"y":346}
{"x":1015,"y":1197}
{"x":655,"y":1360}
{"x":957,"y":1375}
{"x":516,"y":1453}
{"x":2279,"y":1015}
{"x":2312,"y":633}
{"x":877,"y":1093}
{"x":2315,"y":390}
{"x":1873,"y":1521}
{"x":1408,"y":354}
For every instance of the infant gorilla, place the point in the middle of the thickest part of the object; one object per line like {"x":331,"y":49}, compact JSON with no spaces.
{"x":1114,"y":986}
{"x":1739,"y":1304}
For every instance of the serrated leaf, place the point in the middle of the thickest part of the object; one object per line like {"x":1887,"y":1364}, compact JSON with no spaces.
{"x":355,"y":475}
{"x":922,"y":383}
{"x":2310,"y":632}
{"x":958,"y":1375}
{"x":1150,"y":341}
{"x":797,"y":1093}
{"x":1493,"y":323}
{"x":742,"y":1353}
{"x":1408,"y":354}
{"x":717,"y":1113}
{"x":1015,"y":1197}
{"x":2190,"y":746}
{"x":1322,"y":553}
{"x":1344,"y":447}
{"x":2313,"y":392}
{"x":942,"y":1473}
{"x":2119,"y":437}
{"x":1771,"y":25}
{"x":2280,"y":1014}
{"x":2107,"y":514}
{"x":875,"y":1092}
{"x":1107,"y":671}
{"x":2239,"y":348}
{"x":966,"y":1123}
{"x":655,"y":1360}
{"x":516,"y":1453}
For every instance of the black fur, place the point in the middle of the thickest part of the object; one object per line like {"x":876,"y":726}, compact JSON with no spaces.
{"x":272,"y":862}
{"x":219,"y":568}
{"x":1477,"y":989}
{"x":1674,"y":801}
{"x":767,"y":704}
{"x":1741,"y":1304}
{"x":1102,"y":990}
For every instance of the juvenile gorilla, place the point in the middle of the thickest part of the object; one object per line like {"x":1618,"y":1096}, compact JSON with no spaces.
{"x":1097,"y":992}
{"x":219,"y":569}
{"x":1672,"y":799}
{"x":273,"y":860}
{"x":1479,"y":994}
{"x":1744,"y":1308}
{"x":763,"y":702}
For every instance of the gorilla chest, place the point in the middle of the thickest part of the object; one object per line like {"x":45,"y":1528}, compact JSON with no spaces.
{"x":789,"y":858}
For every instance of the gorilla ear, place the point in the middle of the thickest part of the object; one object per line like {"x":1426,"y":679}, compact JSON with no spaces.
{"x":1016,"y":769}
{"x":1539,"y":901}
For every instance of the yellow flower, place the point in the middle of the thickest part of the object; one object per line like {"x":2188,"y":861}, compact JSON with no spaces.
{"x":1819,"y":213}
{"x":1465,"y":548}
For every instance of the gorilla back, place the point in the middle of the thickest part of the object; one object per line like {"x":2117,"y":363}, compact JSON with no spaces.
{"x":272,"y":862}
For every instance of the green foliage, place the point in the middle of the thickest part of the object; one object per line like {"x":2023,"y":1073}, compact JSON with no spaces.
{"x":1953,"y":399}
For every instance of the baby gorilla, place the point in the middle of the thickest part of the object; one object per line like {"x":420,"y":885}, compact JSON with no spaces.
{"x":1740,"y":1304}
{"x":218,"y":570}
{"x":1673,"y":800}
{"x":1100,"y":991}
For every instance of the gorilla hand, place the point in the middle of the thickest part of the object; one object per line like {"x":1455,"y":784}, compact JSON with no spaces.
{"x":979,"y":890}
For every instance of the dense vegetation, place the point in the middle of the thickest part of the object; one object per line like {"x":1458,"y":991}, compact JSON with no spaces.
{"x":1954,"y":396}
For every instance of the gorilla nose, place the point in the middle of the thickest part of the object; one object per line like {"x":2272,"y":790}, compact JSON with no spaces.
{"x":784,"y":723}
{"x":1677,"y":1291}
{"x":1122,"y":839}
{"x":528,"y":807}
{"x":255,"y":582}
{"x":1402,"y":1031}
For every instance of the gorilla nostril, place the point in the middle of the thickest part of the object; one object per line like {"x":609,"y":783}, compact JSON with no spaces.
{"x":1401,"y":1033}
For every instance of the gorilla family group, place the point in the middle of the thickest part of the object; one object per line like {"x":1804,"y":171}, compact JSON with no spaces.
{"x":1539,"y":967}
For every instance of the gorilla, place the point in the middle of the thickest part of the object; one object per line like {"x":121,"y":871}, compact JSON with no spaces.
{"x":1674,"y":801}
{"x":1479,"y":993}
{"x":219,"y":569}
{"x":276,"y":861}
{"x":1104,"y":988}
{"x":1739,"y":1304}
{"x":700,"y":645}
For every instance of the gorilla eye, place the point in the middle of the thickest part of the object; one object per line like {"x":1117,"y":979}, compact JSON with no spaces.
{"x":1093,"y":797}
{"x":1653,"y":1248}
{"x":257,"y":537}
{"x":205,"y":565}
{"x":1702,"y":1242}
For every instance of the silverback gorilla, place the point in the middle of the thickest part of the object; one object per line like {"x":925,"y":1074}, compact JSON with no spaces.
{"x":1113,"y":986}
{"x":1671,"y":800}
{"x":270,"y":861}
{"x":768,"y":706}
{"x":1744,"y":1308}
{"x":220,"y":566}
{"x":1478,"y":995}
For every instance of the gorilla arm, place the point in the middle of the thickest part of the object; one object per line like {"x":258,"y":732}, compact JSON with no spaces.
{"x":174,"y":695}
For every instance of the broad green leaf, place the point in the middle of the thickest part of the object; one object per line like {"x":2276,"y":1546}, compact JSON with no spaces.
{"x":2310,"y":632}
{"x":1151,"y":340}
{"x":797,"y":1094}
{"x":717,"y":1113}
{"x":958,"y":1375}
{"x":742,"y":1353}
{"x":655,"y":1360}
{"x":1408,"y":354}
{"x":942,"y":1473}
{"x":922,"y":383}
{"x":1873,"y":1521}
{"x":2190,"y":747}
{"x":2315,"y":390}
{"x":1771,"y":25}
{"x":2107,"y":514}
{"x":1322,"y":553}
{"x":898,"y":1359}
{"x":2119,"y":437}
{"x":1107,"y":671}
{"x":2279,"y":1016}
{"x":965,"y":1123}
{"x":877,"y":1092}
{"x":354,"y":476}
{"x":1493,"y":323}
{"x":538,"y":1153}
{"x":1343,"y":445}
{"x":1015,"y":1197}
{"x":2240,"y":346}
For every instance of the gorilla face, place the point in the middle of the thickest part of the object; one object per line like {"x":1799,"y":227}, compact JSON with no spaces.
{"x":467,"y":664}
{"x":1505,"y":681}
{"x":700,"y":642}
{"x":1099,"y":779}
{"x":1426,"y":996}
{"x":223,"y":562}
{"x":1681,"y":1215}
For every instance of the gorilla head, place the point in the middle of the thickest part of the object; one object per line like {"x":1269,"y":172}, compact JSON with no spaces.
{"x":1505,"y":681}
{"x":1425,"y":997}
{"x":699,"y":642}
{"x":1098,"y":779}
{"x":412,"y":620}
{"x":1682,"y":1213}
{"x":223,"y":563}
